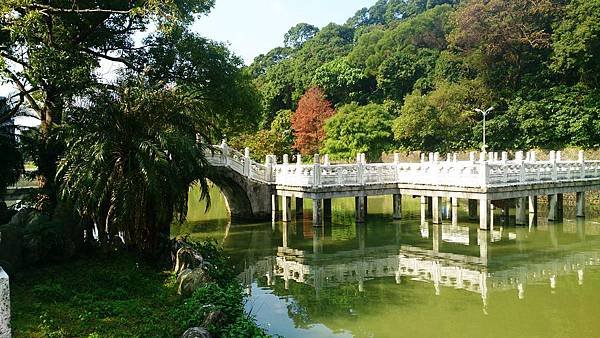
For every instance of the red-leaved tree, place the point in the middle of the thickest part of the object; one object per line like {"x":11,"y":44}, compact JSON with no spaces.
{"x":308,"y":120}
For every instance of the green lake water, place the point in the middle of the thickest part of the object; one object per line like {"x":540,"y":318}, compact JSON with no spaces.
{"x":406,"y":278}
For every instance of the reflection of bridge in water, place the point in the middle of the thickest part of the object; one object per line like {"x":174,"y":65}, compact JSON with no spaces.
{"x":441,"y":269}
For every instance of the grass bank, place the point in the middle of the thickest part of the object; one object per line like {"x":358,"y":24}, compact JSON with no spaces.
{"x":120,"y":296}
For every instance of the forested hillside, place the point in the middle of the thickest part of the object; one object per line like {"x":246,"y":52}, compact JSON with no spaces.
{"x":408,"y":74}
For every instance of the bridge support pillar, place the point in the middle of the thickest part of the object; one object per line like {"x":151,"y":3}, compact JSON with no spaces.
{"x":423,"y":209}
{"x":274,"y":207}
{"x":485,"y":211}
{"x":429,"y":206}
{"x":360,"y":203}
{"x":449,"y":208}
{"x":521,"y":217}
{"x":397,"y":198}
{"x":533,"y":204}
{"x":327,"y":209}
{"x":472,"y":209}
{"x":581,"y":204}
{"x":299,"y":207}
{"x":555,"y":207}
{"x":317,"y":212}
{"x":436,"y":208}
{"x":454,"y":210}
{"x":287,"y":209}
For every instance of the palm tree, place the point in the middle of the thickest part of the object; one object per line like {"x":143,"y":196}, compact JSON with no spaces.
{"x":130,"y":156}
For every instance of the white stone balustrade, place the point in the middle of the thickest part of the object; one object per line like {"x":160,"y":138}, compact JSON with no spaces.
{"x":485,"y":170}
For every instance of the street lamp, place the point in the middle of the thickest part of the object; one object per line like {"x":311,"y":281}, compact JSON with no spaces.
{"x":484,"y":113}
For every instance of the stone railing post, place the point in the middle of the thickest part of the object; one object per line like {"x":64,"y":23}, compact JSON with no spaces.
{"x":397,"y":166}
{"x":422,"y":157}
{"x":316,"y":171}
{"x":246,"y":161}
{"x":581,"y":160}
{"x":326,"y":160}
{"x":521,"y":163}
{"x":360,"y":169}
{"x":4,"y":305}
{"x":454,"y":157}
{"x":270,"y":160}
{"x":554,"y":174}
{"x":472,"y":156}
{"x":484,"y":170}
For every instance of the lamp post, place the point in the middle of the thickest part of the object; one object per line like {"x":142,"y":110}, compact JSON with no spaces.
{"x":484,"y":113}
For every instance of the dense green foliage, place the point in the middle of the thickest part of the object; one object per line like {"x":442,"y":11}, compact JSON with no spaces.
{"x":430,"y":64}
{"x":129,"y":144}
{"x":117,"y":296}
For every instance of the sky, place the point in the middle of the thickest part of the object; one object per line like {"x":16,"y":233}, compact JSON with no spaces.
{"x":253,"y":27}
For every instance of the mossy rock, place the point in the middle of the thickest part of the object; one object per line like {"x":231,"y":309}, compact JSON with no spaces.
{"x":11,"y":248}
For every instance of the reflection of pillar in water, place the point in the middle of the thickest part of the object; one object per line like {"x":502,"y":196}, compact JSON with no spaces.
{"x":285,"y":234}
{"x":437,"y":237}
{"x":553,"y":237}
{"x":484,"y":290}
{"x":398,"y":280}
{"x":580,"y":276}
{"x":398,"y":231}
{"x":436,"y":276}
{"x":317,"y":240}
{"x":520,"y":290}
{"x":361,"y":234}
{"x":483,"y":238}
{"x":521,"y":233}
{"x":553,"y":282}
{"x":580,"y":222}
{"x":532,"y":222}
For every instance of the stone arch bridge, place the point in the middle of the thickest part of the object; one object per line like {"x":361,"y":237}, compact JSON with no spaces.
{"x":487,"y":180}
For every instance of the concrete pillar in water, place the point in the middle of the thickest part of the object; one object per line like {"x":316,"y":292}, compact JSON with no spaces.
{"x":472,"y":209}
{"x":581,"y":204}
{"x":274,"y":207}
{"x":532,"y":204}
{"x":299,"y":207}
{"x":285,"y":234}
{"x":449,"y":208}
{"x":360,"y":203}
{"x":484,"y":213}
{"x":4,"y":305}
{"x":423,"y":209}
{"x":327,"y":209}
{"x":454,"y":210}
{"x":555,"y":207}
{"x":436,"y":208}
{"x":287,"y":209}
{"x":429,"y":206}
{"x":521,"y":217}
{"x":483,"y":237}
{"x":317,"y":205}
{"x":397,"y":201}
